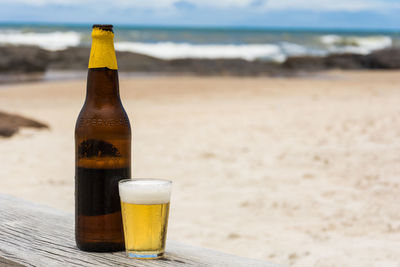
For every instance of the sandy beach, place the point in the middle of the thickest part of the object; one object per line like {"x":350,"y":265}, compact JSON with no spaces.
{"x":298,"y":171}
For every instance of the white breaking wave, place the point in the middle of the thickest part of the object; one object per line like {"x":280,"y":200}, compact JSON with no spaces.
{"x":50,"y":41}
{"x":292,"y":49}
{"x":169,"y":50}
{"x":278,"y":52}
{"x":353,"y":44}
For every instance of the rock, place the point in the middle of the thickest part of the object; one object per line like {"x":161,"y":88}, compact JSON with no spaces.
{"x":317,"y":63}
{"x":8,"y":131}
{"x":128,"y":61}
{"x":343,"y":61}
{"x":23,"y":59}
{"x":77,"y":58}
{"x":72,"y":58}
{"x":10,"y":124}
{"x":238,"y":67}
{"x":382,"y":59}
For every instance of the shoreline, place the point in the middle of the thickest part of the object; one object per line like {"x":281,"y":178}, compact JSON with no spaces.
{"x":76,"y":76}
{"x":67,"y":75}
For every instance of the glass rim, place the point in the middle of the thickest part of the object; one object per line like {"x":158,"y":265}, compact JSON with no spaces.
{"x":162,"y":181}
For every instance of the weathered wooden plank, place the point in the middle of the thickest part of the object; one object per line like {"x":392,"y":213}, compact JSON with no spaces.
{"x":35,"y":235}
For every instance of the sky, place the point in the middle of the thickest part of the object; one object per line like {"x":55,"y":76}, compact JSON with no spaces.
{"x":346,"y":14}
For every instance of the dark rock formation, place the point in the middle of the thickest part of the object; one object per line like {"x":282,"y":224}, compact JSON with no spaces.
{"x":23,"y":59}
{"x":73,"y":58}
{"x":10,"y":123}
{"x":334,"y":61}
{"x":237,"y":67}
{"x":128,"y":61}
{"x":382,"y":59}
{"x":28,"y":59}
{"x":77,"y":59}
{"x":343,"y":61}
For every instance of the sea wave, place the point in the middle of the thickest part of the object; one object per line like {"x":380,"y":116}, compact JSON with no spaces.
{"x":170,"y":50}
{"x":355,"y":44}
{"x":51,"y":41}
{"x":276,"y":50}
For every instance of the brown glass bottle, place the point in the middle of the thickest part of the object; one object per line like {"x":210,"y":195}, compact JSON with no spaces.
{"x":102,"y":151}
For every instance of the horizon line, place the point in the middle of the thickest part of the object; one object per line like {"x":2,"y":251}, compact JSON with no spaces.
{"x":203,"y":27}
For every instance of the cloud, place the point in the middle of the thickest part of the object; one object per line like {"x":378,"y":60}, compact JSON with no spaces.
{"x":184,"y":5}
{"x":153,"y":4}
{"x":259,"y":5}
{"x":331,"y":5}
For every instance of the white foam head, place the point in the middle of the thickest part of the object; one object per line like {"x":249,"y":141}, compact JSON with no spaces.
{"x":145,"y":191}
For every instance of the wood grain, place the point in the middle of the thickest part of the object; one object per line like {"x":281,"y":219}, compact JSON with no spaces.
{"x":36,"y":235}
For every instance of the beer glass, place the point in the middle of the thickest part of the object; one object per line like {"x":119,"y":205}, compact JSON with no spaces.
{"x":145,"y":209}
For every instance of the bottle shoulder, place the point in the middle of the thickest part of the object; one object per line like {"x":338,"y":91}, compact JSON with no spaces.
{"x":105,"y":119}
{"x":102,"y":111}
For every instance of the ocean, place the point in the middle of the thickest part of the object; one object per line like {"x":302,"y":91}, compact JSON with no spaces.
{"x":271,"y":44}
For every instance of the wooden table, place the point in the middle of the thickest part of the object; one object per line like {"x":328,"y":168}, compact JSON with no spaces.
{"x":36,"y":235}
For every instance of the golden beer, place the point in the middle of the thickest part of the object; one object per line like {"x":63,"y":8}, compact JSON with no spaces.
{"x":145,"y":209}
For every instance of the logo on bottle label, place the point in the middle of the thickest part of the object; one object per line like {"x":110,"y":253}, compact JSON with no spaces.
{"x":97,"y":148}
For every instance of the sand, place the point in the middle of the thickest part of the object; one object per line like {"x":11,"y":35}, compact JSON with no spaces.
{"x":298,"y":171}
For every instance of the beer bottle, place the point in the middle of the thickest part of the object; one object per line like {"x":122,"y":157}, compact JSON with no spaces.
{"x":102,"y":151}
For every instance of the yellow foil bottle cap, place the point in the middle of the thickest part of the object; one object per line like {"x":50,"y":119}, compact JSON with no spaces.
{"x":102,"y":53}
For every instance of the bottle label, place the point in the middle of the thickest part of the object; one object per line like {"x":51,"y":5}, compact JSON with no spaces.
{"x":102,"y":53}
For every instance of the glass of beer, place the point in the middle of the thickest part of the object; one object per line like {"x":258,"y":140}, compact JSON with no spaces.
{"x":145,"y":209}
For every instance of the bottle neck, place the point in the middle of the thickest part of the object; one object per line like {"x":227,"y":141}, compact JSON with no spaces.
{"x":102,"y":87}
{"x":102,"y":81}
